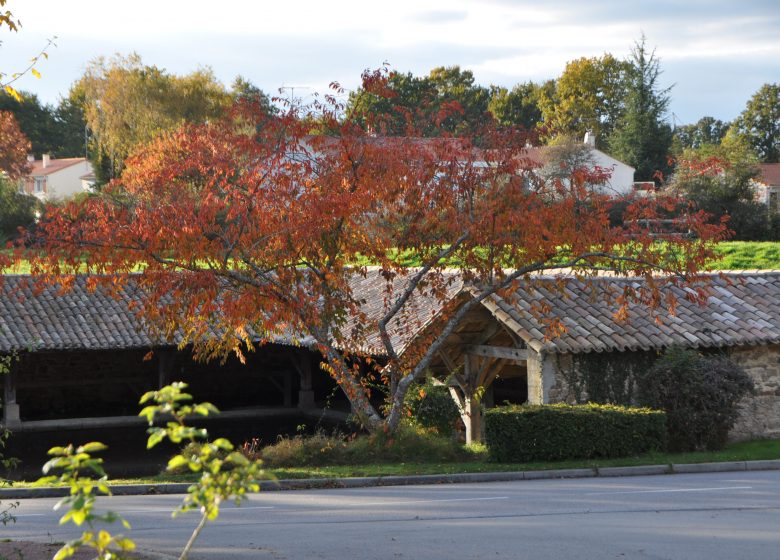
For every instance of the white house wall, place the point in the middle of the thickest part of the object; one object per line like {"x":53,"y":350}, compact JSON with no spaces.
{"x":67,"y":182}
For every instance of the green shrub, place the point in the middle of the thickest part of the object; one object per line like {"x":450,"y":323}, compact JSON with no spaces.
{"x":431,"y":406}
{"x":516,"y":434}
{"x":699,"y":394}
{"x":408,"y":444}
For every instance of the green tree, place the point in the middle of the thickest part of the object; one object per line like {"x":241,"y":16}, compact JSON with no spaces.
{"x":641,"y":138}
{"x":588,"y":96}
{"x":759,"y":123}
{"x":37,"y":121}
{"x":518,"y":106}
{"x":16,"y":210}
{"x":244,"y":90}
{"x":127,"y":103}
{"x":705,"y":131}
{"x":447,"y":98}
{"x":722,"y":187}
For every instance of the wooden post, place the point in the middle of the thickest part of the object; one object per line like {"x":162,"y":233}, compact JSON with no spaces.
{"x":11,"y":413}
{"x":287,"y":389}
{"x":303,"y":364}
{"x":165,"y":360}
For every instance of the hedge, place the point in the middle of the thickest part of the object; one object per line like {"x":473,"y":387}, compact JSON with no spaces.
{"x":516,"y":434}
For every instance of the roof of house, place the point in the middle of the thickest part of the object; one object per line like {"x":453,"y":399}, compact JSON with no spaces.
{"x":743,"y":308}
{"x":38,"y":170}
{"x":770,"y":173}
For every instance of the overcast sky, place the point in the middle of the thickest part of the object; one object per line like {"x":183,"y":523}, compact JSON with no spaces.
{"x":716,"y":53}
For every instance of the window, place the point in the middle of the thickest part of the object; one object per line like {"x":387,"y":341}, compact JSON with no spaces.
{"x":21,"y":188}
{"x":773,"y":202}
{"x":40,"y":184}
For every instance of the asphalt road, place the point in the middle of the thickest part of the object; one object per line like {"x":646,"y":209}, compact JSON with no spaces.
{"x":696,"y":516}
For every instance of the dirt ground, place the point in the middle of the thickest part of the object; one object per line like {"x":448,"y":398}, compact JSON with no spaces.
{"x":27,"y":550}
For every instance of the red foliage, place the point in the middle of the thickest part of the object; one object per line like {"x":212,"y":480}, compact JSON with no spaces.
{"x":256,"y":222}
{"x":14,"y":147}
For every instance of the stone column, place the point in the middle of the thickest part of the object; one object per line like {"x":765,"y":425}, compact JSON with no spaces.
{"x":11,"y":413}
{"x":541,"y":377}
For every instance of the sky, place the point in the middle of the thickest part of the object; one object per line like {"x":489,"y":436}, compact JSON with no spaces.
{"x":714,"y":53}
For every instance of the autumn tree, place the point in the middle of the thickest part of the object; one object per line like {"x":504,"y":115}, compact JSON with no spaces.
{"x":589,"y":95}
{"x":759,"y":123}
{"x":642,"y":138}
{"x":14,"y":147}
{"x":127,"y":103}
{"x":253,"y":232}
{"x":7,"y":77}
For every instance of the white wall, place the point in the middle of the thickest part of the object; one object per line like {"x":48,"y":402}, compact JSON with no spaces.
{"x":67,"y":182}
{"x":622,"y":179}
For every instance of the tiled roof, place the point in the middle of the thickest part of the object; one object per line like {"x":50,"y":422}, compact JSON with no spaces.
{"x":743,"y":308}
{"x":770,"y":173}
{"x":82,"y":319}
{"x":76,"y":319}
{"x":38,"y":170}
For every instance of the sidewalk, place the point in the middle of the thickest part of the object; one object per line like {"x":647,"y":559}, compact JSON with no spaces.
{"x":363,"y":482}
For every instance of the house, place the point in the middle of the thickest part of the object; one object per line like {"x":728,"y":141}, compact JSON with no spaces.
{"x":56,"y":179}
{"x":83,"y":338}
{"x":552,"y":160}
{"x":767,"y":185}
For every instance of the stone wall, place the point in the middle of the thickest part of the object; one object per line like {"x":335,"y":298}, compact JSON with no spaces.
{"x":759,"y":414}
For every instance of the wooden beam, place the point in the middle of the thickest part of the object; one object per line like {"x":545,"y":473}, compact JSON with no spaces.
{"x":503,"y":352}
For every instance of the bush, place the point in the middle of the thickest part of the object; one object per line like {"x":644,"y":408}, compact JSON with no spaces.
{"x":431,"y":406}
{"x":408,"y":444}
{"x":560,"y":431}
{"x":699,"y":394}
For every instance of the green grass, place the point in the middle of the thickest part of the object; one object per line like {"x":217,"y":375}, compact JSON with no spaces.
{"x":745,"y":451}
{"x":734,"y":255}
{"x":746,"y":255}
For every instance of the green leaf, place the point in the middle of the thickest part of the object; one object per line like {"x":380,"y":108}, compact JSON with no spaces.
{"x":155,"y":438}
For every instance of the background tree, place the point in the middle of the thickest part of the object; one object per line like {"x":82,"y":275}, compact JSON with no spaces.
{"x":242,"y":90}
{"x":16,"y":210}
{"x":447,"y":101}
{"x":518,"y":106}
{"x":759,"y":123}
{"x":589,"y":96}
{"x":127,"y":103}
{"x":35,"y":119}
{"x":257,"y":230}
{"x":723,"y":188}
{"x":641,"y":138}
{"x":705,"y":131}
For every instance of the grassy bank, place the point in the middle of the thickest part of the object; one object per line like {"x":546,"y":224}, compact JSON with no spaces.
{"x":746,"y":255}
{"x":733,"y":255}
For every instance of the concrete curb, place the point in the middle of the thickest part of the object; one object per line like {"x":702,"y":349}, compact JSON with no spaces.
{"x":460,"y":478}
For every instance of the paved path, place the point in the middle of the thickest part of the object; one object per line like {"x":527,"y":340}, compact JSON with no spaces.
{"x":710,"y":516}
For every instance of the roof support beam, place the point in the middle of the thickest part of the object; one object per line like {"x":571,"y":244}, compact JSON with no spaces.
{"x":503,"y":352}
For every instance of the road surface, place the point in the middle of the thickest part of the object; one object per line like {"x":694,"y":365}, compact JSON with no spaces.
{"x":695,"y":516}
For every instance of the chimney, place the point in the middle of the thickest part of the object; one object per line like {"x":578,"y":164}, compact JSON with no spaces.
{"x":45,"y":160}
{"x":590,"y":139}
{"x":30,"y":158}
